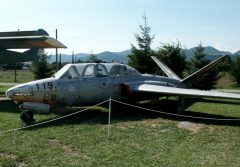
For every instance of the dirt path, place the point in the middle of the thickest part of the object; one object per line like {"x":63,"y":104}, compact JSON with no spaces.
{"x":2,"y":98}
{"x":8,"y":84}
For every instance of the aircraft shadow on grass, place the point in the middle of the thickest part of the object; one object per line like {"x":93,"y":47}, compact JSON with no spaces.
{"x":122,"y":113}
{"x":9,"y":106}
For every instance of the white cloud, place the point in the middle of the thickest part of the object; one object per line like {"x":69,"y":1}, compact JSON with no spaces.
{"x":218,"y":46}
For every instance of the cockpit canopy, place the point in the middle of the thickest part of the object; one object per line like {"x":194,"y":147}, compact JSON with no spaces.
{"x":87,"y":70}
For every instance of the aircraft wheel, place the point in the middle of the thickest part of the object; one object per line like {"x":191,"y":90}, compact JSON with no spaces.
{"x":27,"y":117}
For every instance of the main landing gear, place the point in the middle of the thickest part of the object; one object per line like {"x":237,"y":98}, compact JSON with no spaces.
{"x":181,"y":105}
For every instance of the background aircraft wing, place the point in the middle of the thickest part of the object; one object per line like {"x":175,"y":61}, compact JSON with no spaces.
{"x":25,"y":42}
{"x":163,"y":90}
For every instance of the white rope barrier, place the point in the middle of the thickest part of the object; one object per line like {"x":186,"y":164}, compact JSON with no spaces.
{"x":109,"y":116}
{"x":52,"y":120}
{"x":172,"y":114}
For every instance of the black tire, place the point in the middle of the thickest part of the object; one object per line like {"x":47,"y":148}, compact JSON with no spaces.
{"x":27,"y":117}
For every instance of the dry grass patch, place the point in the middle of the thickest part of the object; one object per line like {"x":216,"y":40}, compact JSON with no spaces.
{"x":192,"y":127}
{"x":11,"y":160}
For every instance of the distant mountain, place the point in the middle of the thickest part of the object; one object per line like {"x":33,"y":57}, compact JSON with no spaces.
{"x":106,"y":56}
{"x":211,"y":53}
{"x":237,"y":53}
{"x":121,"y":57}
{"x":125,"y":52}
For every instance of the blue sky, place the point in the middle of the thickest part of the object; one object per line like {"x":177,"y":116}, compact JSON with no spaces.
{"x":110,"y":25}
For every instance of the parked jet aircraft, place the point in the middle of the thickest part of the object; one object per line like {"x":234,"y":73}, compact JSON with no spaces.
{"x":32,"y":40}
{"x":91,"y":83}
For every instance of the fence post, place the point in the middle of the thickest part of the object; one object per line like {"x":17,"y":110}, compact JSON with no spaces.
{"x":109,"y":116}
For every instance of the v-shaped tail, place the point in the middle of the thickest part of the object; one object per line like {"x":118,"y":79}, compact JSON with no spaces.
{"x":189,"y":78}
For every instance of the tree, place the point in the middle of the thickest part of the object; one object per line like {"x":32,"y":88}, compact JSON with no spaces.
{"x":173,"y":56}
{"x":92,"y":58}
{"x":235,"y":71}
{"x":140,"y":57}
{"x":208,"y":80}
{"x":40,"y":68}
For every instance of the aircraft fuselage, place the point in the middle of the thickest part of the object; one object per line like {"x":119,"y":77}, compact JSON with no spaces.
{"x":82,"y":91}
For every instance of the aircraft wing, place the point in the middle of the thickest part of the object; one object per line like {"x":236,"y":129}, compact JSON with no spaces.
{"x":25,"y":42}
{"x":172,"y":91}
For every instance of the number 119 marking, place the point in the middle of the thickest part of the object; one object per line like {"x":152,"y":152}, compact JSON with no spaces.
{"x":49,"y":85}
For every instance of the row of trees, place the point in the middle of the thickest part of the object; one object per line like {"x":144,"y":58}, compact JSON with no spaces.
{"x":174,"y":57}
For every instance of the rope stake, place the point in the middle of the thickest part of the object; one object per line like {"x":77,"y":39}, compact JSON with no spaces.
{"x":109,"y":116}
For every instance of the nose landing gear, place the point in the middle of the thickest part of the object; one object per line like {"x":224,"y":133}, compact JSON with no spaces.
{"x":26,"y":116}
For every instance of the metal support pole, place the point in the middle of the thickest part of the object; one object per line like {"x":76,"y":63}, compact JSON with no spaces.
{"x":73,"y":59}
{"x":60,"y":61}
{"x":181,"y":105}
{"x":109,"y":117}
{"x":15,"y":73}
{"x":56,"y":52}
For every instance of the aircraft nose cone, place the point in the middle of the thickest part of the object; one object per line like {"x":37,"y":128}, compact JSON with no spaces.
{"x":9,"y":93}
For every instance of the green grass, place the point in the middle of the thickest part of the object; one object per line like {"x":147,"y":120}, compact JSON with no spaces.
{"x":138,"y":138}
{"x":3,"y":90}
{"x":227,"y":82}
{"x":8,"y":76}
{"x":220,"y":107}
{"x":22,"y":76}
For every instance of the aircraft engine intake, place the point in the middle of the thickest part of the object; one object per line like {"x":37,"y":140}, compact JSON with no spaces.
{"x":125,"y":89}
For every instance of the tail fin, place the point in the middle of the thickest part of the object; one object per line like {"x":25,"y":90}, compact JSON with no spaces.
{"x":166,"y":69}
{"x":32,"y":54}
{"x":203,"y":70}
{"x":34,"y":51}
